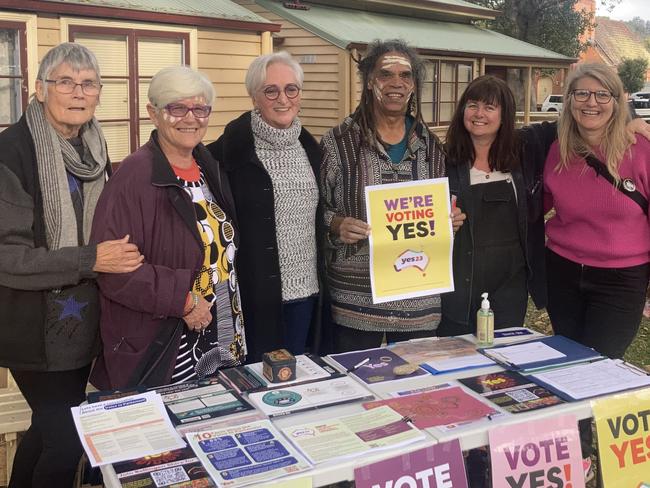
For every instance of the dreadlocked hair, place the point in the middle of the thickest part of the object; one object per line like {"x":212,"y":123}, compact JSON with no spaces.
{"x":364,"y":114}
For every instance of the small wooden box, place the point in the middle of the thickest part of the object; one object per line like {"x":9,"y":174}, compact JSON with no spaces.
{"x":279,"y":366}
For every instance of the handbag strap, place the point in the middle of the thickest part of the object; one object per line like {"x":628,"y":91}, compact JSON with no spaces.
{"x":601,"y":170}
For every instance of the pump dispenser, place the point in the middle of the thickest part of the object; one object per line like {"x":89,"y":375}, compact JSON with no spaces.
{"x":485,"y":323}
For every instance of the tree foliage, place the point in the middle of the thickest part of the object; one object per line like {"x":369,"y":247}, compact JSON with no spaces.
{"x":551,"y":24}
{"x":632,"y":73}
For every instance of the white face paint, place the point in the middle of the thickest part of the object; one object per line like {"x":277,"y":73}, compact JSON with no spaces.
{"x":392,"y":83}
{"x":389,"y":61}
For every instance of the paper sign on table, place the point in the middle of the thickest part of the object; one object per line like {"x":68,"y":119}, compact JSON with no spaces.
{"x":537,"y":453}
{"x":245,"y":454}
{"x":126,"y":428}
{"x":437,"y":466}
{"x":411,"y":239}
{"x":623,"y":426}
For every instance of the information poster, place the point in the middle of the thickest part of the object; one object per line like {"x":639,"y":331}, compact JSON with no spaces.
{"x":623,"y":426}
{"x":437,"y":466}
{"x":411,"y":239}
{"x":537,"y":453}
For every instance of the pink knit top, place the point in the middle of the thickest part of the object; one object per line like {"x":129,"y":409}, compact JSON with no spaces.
{"x":595,"y":224}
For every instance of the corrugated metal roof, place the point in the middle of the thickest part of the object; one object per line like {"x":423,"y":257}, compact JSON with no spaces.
{"x":617,"y":41}
{"x":343,"y":27}
{"x":217,"y":9}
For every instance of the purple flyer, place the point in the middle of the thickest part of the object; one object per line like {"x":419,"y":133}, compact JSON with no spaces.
{"x":437,"y":466}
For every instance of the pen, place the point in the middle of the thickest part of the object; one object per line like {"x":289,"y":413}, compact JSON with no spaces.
{"x":358,"y":365}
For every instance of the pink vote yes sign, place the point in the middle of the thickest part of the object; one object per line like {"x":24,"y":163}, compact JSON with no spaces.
{"x":537,"y":454}
{"x":437,"y":466}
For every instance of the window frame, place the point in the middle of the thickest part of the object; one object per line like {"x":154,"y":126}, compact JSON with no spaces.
{"x":437,"y":85}
{"x":133,"y":35}
{"x":21,"y":28}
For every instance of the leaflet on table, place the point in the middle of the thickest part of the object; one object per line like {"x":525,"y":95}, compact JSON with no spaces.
{"x":438,"y":407}
{"x":175,"y":468}
{"x":547,"y":352}
{"x":126,"y":428}
{"x":352,"y":435}
{"x":511,"y":391}
{"x":377,"y":365}
{"x":423,"y":389}
{"x":441,"y":354}
{"x":309,"y":396}
{"x":246,"y":454}
{"x":593,"y":379}
{"x":201,"y":400}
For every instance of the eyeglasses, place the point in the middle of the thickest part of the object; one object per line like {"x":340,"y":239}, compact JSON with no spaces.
{"x":272,"y":92}
{"x":67,"y":86}
{"x":180,"y":110}
{"x":601,"y":96}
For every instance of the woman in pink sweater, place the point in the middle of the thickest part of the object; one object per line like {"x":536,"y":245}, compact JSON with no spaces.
{"x":598,"y":245}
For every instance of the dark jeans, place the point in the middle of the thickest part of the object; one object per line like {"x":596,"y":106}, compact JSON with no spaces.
{"x":348,"y":339}
{"x":49,"y":452}
{"x":297,"y":318}
{"x":598,"y":307}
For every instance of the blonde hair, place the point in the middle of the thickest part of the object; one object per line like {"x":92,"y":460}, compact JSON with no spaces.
{"x":615,"y":141}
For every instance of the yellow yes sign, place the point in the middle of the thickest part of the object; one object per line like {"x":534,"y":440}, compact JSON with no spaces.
{"x":623,"y":426}
{"x":410,"y":239}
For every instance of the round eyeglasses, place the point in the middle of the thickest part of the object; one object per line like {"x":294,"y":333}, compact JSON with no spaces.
{"x":180,"y":110}
{"x":272,"y":92}
{"x":67,"y":86}
{"x":601,"y":96}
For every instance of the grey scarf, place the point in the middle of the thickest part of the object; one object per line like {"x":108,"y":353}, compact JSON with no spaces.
{"x":55,"y":155}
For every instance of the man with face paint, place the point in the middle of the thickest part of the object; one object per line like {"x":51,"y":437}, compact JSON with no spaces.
{"x":384,"y":141}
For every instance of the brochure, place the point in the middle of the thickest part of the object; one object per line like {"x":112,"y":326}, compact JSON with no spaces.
{"x":249,"y":453}
{"x":353,"y":435}
{"x":435,"y":408}
{"x":125,"y":428}
{"x":511,"y":391}
{"x":200,"y":401}
{"x":172,"y":469}
{"x":308,"y":368}
{"x":306,"y":397}
{"x":377,"y":365}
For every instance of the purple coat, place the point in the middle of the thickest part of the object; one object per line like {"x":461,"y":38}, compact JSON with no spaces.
{"x":144,"y":200}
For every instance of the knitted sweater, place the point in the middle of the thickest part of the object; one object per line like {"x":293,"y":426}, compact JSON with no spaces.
{"x":295,"y":195}
{"x":348,"y":167}
{"x":595,"y":224}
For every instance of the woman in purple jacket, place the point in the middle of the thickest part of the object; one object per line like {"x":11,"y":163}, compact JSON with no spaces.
{"x":178,"y":316}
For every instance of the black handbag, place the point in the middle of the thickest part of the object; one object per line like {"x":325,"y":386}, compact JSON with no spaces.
{"x":152,"y":369}
{"x":627,"y":186}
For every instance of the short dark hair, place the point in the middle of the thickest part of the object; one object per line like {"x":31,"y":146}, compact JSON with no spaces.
{"x":504,"y":152}
{"x":364,"y":114}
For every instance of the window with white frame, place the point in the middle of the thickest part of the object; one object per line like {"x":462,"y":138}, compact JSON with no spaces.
{"x":128,"y":59}
{"x":13,"y":72}
{"x":444,"y":83}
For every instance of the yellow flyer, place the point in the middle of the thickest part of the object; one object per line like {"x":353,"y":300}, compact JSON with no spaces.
{"x":410,"y":239}
{"x":623,"y":427}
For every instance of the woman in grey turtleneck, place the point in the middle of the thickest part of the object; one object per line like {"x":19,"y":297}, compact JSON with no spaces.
{"x":272,"y":164}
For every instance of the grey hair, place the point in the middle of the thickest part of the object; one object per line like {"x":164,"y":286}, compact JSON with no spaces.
{"x":256,"y":74}
{"x":76,"y":55}
{"x":179,"y":82}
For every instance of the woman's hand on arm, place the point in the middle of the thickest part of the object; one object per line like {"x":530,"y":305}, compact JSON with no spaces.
{"x":200,"y":316}
{"x":117,"y":256}
{"x":349,"y":230}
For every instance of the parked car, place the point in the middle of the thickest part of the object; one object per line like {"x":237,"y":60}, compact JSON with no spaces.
{"x":552,"y":103}
{"x":641,"y":99}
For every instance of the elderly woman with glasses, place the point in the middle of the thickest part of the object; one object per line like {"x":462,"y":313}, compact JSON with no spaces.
{"x":177,"y":317}
{"x":272,"y":164}
{"x":53,"y":167}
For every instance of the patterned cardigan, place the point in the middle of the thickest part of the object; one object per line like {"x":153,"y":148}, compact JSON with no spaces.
{"x":348,"y":167}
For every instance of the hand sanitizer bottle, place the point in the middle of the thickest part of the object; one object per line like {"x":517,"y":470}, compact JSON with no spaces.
{"x":485,"y":323}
